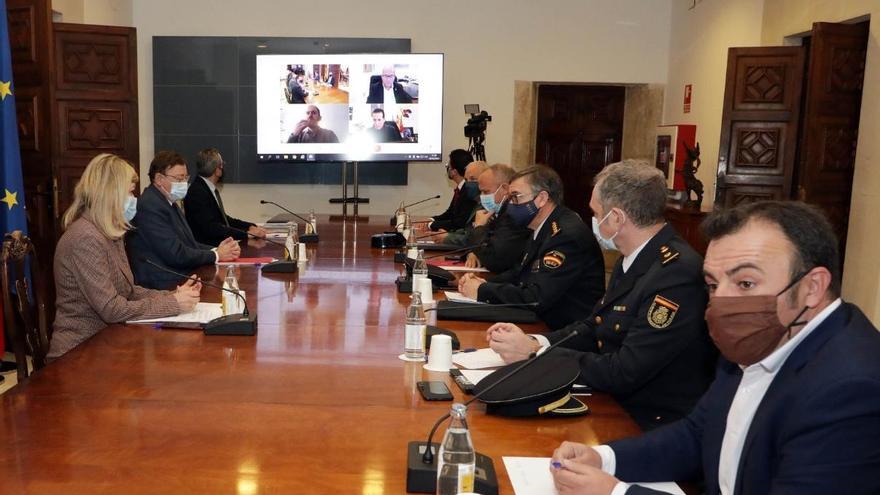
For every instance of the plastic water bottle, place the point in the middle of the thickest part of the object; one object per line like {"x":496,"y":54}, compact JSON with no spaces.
{"x":414,"y":335}
{"x":420,"y":267}
{"x":291,"y":251}
{"x":313,"y":222}
{"x":456,"y":462}
{"x":231,"y":304}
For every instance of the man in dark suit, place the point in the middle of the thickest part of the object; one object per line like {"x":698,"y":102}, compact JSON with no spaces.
{"x":387,"y":90}
{"x":794,"y":406}
{"x":463,"y":201}
{"x":502,"y":243}
{"x":562,"y":270}
{"x":383,"y":131}
{"x":161,"y":233}
{"x":205,"y":213}
{"x":295,"y":91}
{"x":645,"y":342}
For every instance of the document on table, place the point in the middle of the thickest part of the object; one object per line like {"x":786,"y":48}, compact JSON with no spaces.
{"x":202,"y":313}
{"x":531,"y":476}
{"x":458,"y":297}
{"x":247,"y":261}
{"x":481,"y":358}
{"x":462,"y":268}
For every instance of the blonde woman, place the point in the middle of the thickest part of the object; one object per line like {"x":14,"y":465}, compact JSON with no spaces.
{"x":93,"y":281}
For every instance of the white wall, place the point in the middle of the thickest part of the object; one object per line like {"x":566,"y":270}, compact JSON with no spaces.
{"x":698,"y":56}
{"x":488,"y":44}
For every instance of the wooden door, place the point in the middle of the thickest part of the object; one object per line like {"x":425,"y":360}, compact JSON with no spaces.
{"x":95,"y":97}
{"x":832,"y":104}
{"x":580,"y":130}
{"x":759,"y":124}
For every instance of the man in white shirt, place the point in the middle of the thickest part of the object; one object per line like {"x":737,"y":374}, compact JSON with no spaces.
{"x":795,"y":405}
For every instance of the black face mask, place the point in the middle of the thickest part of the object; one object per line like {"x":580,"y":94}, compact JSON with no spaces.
{"x":522,"y":214}
{"x":471,"y":190}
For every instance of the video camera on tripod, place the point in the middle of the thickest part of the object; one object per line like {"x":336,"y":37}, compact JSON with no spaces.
{"x":475,"y":130}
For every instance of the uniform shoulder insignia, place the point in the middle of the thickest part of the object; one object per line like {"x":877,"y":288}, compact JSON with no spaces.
{"x":667,"y":254}
{"x":553,"y":259}
{"x":554,"y":228}
{"x":662,"y":312}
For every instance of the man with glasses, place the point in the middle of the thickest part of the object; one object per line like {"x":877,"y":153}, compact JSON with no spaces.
{"x":463,"y":201}
{"x":161,"y":233}
{"x":562,"y":270}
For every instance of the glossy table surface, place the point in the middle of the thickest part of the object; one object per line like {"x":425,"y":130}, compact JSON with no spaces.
{"x":316,"y":402}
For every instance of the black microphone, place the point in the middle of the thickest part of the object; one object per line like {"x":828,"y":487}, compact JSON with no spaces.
{"x":235,"y":324}
{"x":430,"y":235}
{"x":459,"y":250}
{"x":402,"y":206}
{"x":279,"y":266}
{"x":421,"y":471}
{"x":467,"y":305}
{"x":307,"y":238}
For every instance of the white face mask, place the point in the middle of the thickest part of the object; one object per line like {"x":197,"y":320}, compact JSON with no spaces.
{"x":178,"y":190}
{"x":130,"y":209}
{"x":606,"y":244}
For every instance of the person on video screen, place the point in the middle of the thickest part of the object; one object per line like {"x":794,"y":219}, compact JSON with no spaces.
{"x":308,"y":129}
{"x":386,"y":89}
{"x":383,"y":131}
{"x":296,"y":92}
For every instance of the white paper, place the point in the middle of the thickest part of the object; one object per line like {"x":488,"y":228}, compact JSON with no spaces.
{"x":531,"y":476}
{"x":458,"y":297}
{"x":202,"y":313}
{"x":481,"y":358}
{"x":474,"y":376}
{"x":462,"y":268}
{"x":240,"y":263}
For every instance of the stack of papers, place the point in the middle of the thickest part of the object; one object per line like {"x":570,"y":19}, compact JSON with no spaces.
{"x":479,"y":359}
{"x":531,"y":476}
{"x":458,"y":297}
{"x":203,"y":313}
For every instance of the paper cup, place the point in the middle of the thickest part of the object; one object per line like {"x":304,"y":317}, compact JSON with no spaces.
{"x":440,"y":357}
{"x":425,"y":288}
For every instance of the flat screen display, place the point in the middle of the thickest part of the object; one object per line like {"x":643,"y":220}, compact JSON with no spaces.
{"x":355,"y":107}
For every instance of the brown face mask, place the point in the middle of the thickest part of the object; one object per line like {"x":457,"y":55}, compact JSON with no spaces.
{"x":746,"y":329}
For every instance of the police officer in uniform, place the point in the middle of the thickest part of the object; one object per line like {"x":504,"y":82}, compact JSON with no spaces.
{"x":563,"y":270}
{"x":646,"y":341}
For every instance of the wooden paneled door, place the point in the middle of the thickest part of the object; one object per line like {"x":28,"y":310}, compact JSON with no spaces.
{"x":832,"y":104}
{"x":95,"y":96}
{"x":580,"y":130}
{"x":759,"y":124}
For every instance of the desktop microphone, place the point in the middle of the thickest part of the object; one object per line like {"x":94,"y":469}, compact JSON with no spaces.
{"x":279,"y":266}
{"x":307,"y":238}
{"x":235,"y":324}
{"x":421,"y":467}
{"x":467,"y":305}
{"x":394,"y":218}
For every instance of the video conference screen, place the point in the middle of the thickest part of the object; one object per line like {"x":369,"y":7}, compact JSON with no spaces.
{"x":379,"y":107}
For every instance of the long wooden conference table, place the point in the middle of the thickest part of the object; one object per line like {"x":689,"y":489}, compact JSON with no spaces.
{"x":316,"y":402}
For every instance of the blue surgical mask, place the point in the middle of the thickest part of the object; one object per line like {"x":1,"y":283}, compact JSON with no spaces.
{"x":178,"y":190}
{"x":130,"y":208}
{"x":522,"y":214}
{"x":489,"y":203}
{"x":471,"y":190}
{"x":606,"y":244}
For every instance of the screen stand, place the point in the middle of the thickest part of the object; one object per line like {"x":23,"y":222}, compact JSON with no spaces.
{"x":345,"y":200}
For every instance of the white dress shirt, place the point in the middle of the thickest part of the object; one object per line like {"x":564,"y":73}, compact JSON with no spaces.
{"x":756,"y":379}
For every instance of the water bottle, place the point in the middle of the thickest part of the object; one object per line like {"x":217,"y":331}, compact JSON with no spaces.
{"x":420,"y":267}
{"x":456,"y":460}
{"x":414,"y":335}
{"x":313,"y":222}
{"x":230,"y":303}
{"x":291,"y":251}
{"x":412,"y":249}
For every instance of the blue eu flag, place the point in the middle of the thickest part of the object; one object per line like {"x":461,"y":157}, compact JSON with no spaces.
{"x":12,"y":215}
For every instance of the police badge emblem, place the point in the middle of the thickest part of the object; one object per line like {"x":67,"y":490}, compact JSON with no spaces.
{"x":661,"y":312}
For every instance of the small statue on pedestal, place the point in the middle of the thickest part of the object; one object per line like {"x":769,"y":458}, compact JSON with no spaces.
{"x":691,"y":183}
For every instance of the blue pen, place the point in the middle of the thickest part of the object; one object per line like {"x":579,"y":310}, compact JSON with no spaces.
{"x":555,"y":464}
{"x":466,"y":350}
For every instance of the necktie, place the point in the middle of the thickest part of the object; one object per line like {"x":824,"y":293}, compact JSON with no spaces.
{"x":455,"y":195}
{"x":222,"y":209}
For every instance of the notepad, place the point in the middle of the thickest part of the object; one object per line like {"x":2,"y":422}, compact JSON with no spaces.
{"x":458,"y":297}
{"x":481,"y":358}
{"x":531,"y":476}
{"x":201,"y":314}
{"x":474,"y":376}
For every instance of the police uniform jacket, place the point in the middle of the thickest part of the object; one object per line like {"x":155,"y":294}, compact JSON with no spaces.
{"x":502,"y":242}
{"x":562,"y":270}
{"x":646,"y":342}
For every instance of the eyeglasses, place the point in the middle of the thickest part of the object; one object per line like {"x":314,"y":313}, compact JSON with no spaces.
{"x":516,"y":198}
{"x":178,"y":178}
